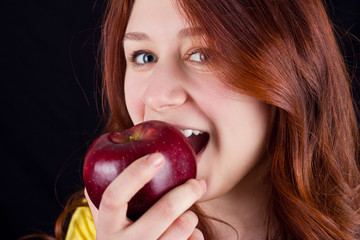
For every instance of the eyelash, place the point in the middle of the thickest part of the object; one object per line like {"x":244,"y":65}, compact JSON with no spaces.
{"x":200,"y":51}
{"x":132,"y":57}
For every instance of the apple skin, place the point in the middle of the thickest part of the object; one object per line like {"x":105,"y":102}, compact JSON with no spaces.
{"x":111,"y":153}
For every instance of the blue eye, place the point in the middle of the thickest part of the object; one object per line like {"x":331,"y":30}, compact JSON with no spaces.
{"x":142,"y":57}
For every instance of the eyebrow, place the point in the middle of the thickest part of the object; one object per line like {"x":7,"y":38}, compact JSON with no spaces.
{"x":136,"y":36}
{"x":183,"y":33}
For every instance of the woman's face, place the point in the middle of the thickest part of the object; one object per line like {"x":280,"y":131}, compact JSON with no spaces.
{"x":167,"y":79}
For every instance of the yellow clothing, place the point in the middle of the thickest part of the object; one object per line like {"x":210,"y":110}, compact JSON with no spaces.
{"x":81,"y":225}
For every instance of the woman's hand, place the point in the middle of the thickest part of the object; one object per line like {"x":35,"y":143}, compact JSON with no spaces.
{"x":168,"y":218}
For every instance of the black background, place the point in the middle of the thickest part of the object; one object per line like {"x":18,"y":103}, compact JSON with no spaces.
{"x":50,"y":105}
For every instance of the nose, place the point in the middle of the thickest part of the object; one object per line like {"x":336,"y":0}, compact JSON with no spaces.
{"x":165,"y":88}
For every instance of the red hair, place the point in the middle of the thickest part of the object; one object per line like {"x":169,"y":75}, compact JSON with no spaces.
{"x":284,"y":53}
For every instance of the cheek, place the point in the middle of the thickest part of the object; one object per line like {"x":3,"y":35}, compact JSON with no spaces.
{"x":133,"y":100}
{"x":249,"y":130}
{"x":241,"y":136}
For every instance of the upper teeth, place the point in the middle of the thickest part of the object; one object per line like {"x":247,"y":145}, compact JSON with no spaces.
{"x":188,"y":132}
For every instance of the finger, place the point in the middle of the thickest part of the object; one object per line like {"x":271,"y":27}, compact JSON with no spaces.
{"x":94,"y":211}
{"x":113,"y":206}
{"x":164,"y":212}
{"x":197,"y":235}
{"x":181,"y":228}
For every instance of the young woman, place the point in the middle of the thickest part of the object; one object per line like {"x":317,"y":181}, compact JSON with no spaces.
{"x":265,"y":79}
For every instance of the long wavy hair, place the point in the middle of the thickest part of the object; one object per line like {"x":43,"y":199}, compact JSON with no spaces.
{"x":284,"y":53}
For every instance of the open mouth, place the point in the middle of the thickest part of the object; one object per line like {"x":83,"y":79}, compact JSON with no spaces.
{"x":198,"y":139}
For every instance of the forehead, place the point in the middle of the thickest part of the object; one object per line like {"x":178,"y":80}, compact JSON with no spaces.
{"x":155,"y":14}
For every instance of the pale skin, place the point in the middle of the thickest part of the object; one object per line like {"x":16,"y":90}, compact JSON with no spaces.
{"x":167,"y":79}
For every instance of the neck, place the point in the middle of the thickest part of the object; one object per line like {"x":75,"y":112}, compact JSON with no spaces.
{"x":243,"y":208}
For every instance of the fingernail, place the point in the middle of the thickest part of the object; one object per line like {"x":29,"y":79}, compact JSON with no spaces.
{"x":156,"y":159}
{"x":202,"y":183}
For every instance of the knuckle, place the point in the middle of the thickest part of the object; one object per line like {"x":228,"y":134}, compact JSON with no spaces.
{"x":197,"y":235}
{"x":193,"y":217}
{"x":138,"y":170}
{"x":168,"y":209}
{"x":133,"y":172}
{"x":185,"y":224}
{"x":109,"y":199}
{"x":195,"y":187}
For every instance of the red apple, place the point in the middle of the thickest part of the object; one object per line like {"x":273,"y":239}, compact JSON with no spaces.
{"x":112,"y":152}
